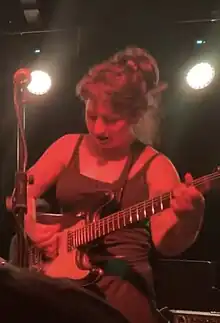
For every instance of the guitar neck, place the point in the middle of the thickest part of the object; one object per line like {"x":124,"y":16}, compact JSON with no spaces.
{"x":136,"y":213}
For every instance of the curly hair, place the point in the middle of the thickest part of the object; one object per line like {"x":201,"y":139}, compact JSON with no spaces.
{"x":129,"y":79}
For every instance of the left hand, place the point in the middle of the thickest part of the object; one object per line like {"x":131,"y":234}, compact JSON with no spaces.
{"x":187,"y":199}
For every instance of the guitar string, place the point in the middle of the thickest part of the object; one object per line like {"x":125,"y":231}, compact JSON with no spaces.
{"x":130,"y":211}
{"x":93,"y":226}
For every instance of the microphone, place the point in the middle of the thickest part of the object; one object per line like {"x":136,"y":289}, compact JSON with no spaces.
{"x":22,"y":76}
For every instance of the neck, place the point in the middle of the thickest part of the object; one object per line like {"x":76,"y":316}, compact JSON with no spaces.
{"x":106,"y":154}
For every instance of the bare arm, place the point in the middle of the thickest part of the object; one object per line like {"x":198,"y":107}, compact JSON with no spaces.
{"x":45,"y":172}
{"x":48,"y":167}
{"x":173,"y":232}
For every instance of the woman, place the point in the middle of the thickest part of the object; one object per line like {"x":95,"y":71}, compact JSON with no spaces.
{"x":117,"y":94}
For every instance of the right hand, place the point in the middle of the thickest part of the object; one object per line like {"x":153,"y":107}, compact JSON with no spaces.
{"x":44,"y":236}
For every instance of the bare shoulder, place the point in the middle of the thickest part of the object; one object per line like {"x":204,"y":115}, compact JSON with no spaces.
{"x":64,"y":146}
{"x":67,"y":140}
{"x":162,"y":174}
{"x":51,"y":163}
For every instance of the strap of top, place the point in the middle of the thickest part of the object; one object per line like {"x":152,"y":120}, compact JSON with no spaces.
{"x":137,"y":149}
{"x":149,"y":162}
{"x":74,"y":158}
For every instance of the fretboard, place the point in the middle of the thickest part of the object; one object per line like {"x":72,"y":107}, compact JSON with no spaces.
{"x":136,"y":213}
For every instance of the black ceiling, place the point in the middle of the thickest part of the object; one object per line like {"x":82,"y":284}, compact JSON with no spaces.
{"x":67,"y":13}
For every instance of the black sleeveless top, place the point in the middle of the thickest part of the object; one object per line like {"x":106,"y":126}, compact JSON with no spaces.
{"x":133,"y":243}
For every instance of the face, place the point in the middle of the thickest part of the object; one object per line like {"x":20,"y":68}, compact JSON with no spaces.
{"x":107,"y":128}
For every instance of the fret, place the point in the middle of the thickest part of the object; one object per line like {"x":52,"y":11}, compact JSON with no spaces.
{"x":153,"y":207}
{"x":96,"y":230}
{"x":156,"y":205}
{"x":103,"y":227}
{"x":145,"y":211}
{"x":84,"y":235}
{"x":87,"y":234}
{"x":80,"y":234}
{"x":161,"y":203}
{"x":73,"y":239}
{"x":77,"y":237}
{"x":167,"y":199}
{"x":110,"y":224}
{"x":118,"y":221}
{"x":92,"y":231}
{"x":137,"y":214}
{"x":109,"y":221}
{"x":99,"y":230}
{"x":130,"y":216}
{"x":80,"y":237}
{"x":69,"y":240}
{"x":113,"y":223}
{"x":170,"y":197}
{"x":108,"y":227}
{"x":124,"y":219}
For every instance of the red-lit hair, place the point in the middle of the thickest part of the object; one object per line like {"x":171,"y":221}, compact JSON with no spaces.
{"x":126,"y":79}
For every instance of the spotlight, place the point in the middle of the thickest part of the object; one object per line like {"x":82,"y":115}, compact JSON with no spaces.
{"x":40,"y":83}
{"x":200,"y":76}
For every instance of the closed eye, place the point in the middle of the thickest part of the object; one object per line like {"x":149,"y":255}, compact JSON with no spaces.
{"x":106,"y":120}
{"x":93,"y":118}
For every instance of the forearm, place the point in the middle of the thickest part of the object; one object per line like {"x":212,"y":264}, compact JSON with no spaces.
{"x":173,"y":234}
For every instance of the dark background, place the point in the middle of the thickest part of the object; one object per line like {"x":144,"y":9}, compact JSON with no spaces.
{"x":73,"y":35}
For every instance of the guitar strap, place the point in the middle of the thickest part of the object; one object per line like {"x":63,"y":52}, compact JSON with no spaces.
{"x":137,"y":148}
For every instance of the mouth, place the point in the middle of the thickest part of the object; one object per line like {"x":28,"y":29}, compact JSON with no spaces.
{"x":102,"y":139}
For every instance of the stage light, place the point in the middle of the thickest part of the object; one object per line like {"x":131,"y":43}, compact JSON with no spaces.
{"x":200,"y":42}
{"x":40,"y":83}
{"x":200,"y":76}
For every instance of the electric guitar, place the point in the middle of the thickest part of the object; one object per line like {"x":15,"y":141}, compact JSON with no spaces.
{"x":94,"y":222}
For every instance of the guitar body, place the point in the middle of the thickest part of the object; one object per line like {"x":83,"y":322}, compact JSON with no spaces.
{"x":70,"y":262}
{"x":74,"y":264}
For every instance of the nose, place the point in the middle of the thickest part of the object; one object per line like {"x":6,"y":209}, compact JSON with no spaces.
{"x":99,"y":127}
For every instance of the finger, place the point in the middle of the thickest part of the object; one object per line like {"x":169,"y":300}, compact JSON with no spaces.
{"x":181,"y":206}
{"x":50,"y":254}
{"x":196,"y":197}
{"x":46,"y":234}
{"x":188,"y":179}
{"x":173,"y":205}
{"x":47,"y":242}
{"x":51,"y":251}
{"x":179,"y":190}
{"x":194,"y":193}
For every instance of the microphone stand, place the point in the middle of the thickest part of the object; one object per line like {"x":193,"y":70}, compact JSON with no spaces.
{"x":19,"y":199}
